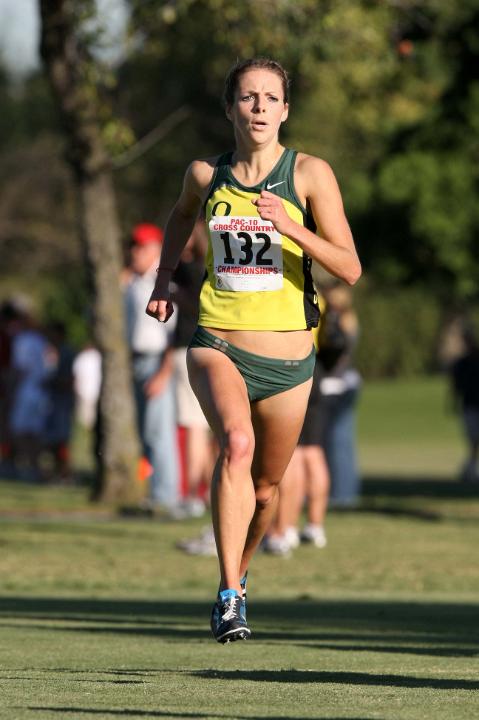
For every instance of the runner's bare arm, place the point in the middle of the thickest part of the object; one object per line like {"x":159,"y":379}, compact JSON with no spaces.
{"x":333,"y":246}
{"x":178,"y":229}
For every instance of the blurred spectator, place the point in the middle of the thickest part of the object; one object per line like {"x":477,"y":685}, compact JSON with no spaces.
{"x":465,"y":385}
{"x":203,"y":544}
{"x":87,"y":377}
{"x":33,"y":364}
{"x":323,"y":469}
{"x":307,"y":481}
{"x":86,"y":385}
{"x":198,"y":443}
{"x":8,"y":319}
{"x":61,"y":402}
{"x":312,"y":467}
{"x":339,"y":386}
{"x":451,"y":341}
{"x":150,"y":343}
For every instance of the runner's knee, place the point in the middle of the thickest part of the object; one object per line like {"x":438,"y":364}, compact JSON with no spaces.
{"x":265,"y":495}
{"x":239,"y":446}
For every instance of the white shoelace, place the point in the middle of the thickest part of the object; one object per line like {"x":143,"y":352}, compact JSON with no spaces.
{"x":231,"y":609}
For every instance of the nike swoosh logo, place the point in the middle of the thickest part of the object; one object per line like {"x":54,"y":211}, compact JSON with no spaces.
{"x":269,"y":187}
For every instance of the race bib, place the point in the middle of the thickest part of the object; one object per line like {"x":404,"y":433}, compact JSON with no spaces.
{"x":247,"y":254}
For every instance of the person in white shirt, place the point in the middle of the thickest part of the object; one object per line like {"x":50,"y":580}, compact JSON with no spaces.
{"x":150,"y":344}
{"x":86,"y":385}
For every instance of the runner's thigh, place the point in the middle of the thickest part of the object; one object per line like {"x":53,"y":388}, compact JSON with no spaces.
{"x":220,"y":389}
{"x":277,"y":422}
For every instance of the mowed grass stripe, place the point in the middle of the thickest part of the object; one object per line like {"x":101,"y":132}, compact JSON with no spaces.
{"x":103,"y":618}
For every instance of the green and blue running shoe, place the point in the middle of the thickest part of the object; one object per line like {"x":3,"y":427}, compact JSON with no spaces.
{"x":228,"y":620}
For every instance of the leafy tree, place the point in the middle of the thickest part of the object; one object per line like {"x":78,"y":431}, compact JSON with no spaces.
{"x":387,"y":92}
{"x":339,"y":54}
{"x":427,"y":186}
{"x":74,"y":78}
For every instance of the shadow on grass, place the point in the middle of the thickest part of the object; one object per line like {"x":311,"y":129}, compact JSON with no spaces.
{"x":165,"y":714}
{"x":341,"y":678}
{"x":411,"y":487}
{"x":400,"y":496}
{"x":417,"y":628}
{"x":121,"y":713}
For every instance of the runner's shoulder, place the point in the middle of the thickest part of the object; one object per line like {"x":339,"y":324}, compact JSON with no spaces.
{"x":200,"y":172}
{"x":313,"y":173}
{"x":312,"y":165}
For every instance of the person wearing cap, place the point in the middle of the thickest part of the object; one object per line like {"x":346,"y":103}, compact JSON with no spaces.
{"x":150,"y":345}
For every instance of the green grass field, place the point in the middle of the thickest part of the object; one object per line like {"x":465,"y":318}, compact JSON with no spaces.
{"x":101,"y":617}
{"x":407,"y":428}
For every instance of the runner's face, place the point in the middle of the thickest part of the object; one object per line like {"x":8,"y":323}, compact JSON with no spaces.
{"x":259,"y":107}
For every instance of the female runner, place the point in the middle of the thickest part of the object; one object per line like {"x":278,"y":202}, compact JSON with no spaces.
{"x":269,"y":211}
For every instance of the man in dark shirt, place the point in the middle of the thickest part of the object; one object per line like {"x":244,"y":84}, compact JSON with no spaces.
{"x":465,"y":382}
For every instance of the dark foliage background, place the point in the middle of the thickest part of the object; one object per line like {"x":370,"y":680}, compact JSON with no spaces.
{"x":387,"y":92}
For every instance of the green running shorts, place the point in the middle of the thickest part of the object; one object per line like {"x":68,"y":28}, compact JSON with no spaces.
{"x":263,"y":376}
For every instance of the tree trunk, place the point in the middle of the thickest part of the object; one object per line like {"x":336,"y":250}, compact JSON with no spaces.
{"x":66,"y":63}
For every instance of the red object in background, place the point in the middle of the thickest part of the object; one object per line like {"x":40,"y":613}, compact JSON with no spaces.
{"x":146,"y":233}
{"x":5,"y":450}
{"x":203,"y":490}
{"x":145,"y":468}
{"x":405,"y":48}
{"x":181,"y":434}
{"x":63,"y":453}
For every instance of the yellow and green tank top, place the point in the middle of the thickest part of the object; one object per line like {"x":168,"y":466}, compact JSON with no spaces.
{"x":256,"y":278}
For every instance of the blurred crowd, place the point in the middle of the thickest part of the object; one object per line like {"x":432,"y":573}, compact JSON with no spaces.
{"x":47,"y":388}
{"x":168,"y":412}
{"x":37,"y":400}
{"x":43,"y":382}
{"x":464,"y":372}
